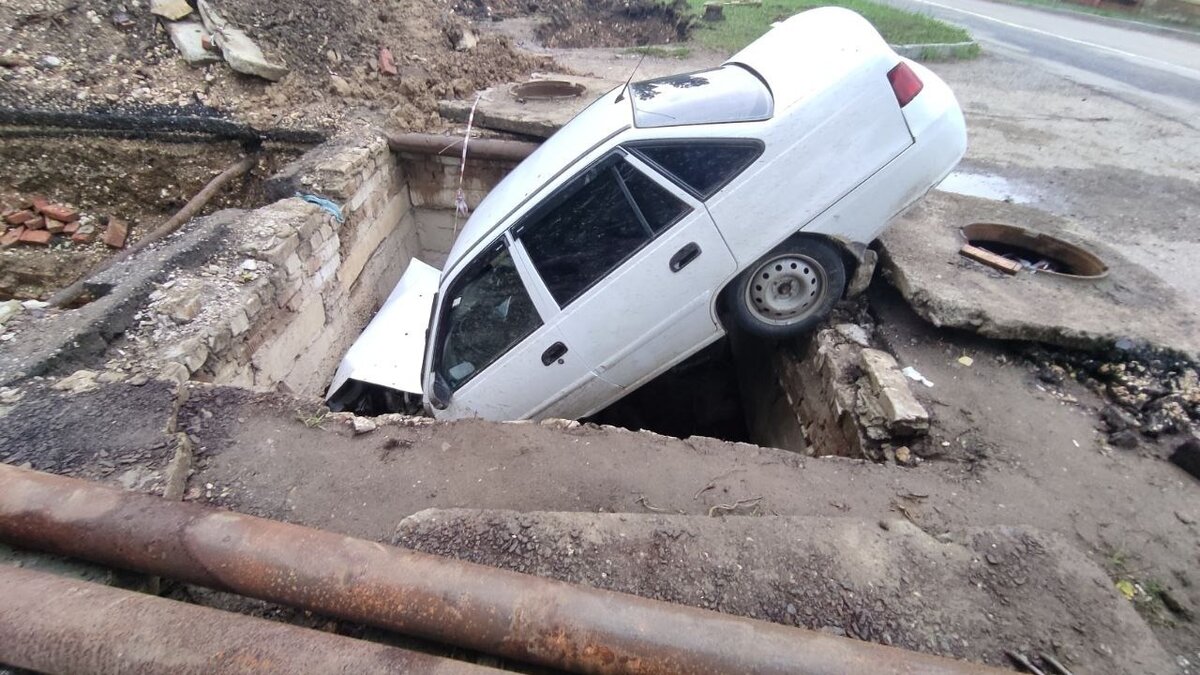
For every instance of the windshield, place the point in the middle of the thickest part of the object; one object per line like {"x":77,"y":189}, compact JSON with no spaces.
{"x":726,"y":94}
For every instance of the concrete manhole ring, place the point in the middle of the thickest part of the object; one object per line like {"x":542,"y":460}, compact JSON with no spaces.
{"x":546,"y":90}
{"x":1036,"y":251}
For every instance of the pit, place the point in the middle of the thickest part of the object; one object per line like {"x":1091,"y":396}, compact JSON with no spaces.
{"x":1035,"y":251}
{"x":269,"y":294}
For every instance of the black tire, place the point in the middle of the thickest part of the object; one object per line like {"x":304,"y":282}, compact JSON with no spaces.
{"x":789,"y":291}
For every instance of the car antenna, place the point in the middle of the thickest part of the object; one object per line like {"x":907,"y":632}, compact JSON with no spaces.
{"x":621,"y":96}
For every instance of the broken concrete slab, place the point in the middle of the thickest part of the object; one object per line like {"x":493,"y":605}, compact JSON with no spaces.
{"x":1131,"y":305}
{"x":970,"y":594}
{"x":904,"y":414}
{"x":172,"y":10}
{"x":238,"y":50}
{"x":500,"y":110}
{"x":189,"y":38}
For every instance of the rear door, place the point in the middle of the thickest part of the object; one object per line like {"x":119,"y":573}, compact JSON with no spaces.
{"x":633,"y":262}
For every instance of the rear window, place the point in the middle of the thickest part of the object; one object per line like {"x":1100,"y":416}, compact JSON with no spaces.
{"x":701,"y":167}
{"x":726,"y":94}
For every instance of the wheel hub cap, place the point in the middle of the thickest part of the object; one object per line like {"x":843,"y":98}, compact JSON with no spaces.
{"x":786,"y":289}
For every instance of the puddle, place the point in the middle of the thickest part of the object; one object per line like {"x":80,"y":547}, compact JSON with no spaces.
{"x":987,"y":186}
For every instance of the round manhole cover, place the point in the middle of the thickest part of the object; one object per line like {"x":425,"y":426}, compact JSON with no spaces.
{"x":1036,"y":251}
{"x":547,"y":90}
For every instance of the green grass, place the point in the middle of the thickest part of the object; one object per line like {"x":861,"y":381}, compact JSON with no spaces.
{"x":744,"y":23}
{"x":662,"y":52}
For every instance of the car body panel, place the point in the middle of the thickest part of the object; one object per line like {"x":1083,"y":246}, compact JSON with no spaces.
{"x":389,"y":351}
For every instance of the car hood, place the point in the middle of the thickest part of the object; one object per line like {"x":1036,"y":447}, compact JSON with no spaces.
{"x":390,"y":349}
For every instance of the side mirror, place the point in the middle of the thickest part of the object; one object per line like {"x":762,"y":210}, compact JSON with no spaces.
{"x":439,"y":394}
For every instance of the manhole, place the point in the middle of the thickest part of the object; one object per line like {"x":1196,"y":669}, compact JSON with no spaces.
{"x":1036,"y":251}
{"x":547,"y":90}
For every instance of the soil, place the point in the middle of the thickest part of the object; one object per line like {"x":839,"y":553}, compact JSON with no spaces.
{"x":141,"y":183}
{"x":593,"y":23}
{"x":102,"y":67}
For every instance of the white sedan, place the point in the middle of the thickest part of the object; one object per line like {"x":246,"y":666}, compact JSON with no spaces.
{"x":663,"y":215}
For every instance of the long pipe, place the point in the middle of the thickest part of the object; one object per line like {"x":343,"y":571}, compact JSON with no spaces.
{"x":53,"y":624}
{"x":478,"y":148}
{"x":574,"y":628}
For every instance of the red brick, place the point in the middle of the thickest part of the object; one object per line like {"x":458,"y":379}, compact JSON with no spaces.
{"x":11,"y":237}
{"x":59,"y":212}
{"x":36,"y":202}
{"x":55,"y":226}
{"x":115,"y":234}
{"x":38,"y":223}
{"x":71,"y":228}
{"x":41,"y":237}
{"x":84,"y":236}
{"x":19,"y":217}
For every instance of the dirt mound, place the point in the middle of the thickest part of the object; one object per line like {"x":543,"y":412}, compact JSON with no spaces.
{"x":92,"y":55}
{"x":594,"y":23}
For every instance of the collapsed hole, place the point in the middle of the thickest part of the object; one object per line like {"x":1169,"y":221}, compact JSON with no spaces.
{"x":1035,"y":250}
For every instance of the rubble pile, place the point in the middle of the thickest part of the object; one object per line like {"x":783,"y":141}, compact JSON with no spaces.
{"x":1151,"y":394}
{"x":40,"y":222}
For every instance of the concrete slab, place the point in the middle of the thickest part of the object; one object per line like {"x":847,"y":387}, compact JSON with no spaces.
{"x":499,"y":110}
{"x":969,"y":595}
{"x":188,"y":37}
{"x":920,"y":257}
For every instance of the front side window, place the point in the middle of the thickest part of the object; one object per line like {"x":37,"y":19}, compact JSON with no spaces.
{"x":594,"y":224}
{"x":702,"y":167}
{"x":487,"y":312}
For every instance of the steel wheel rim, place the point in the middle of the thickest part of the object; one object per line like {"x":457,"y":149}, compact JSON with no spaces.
{"x":786,"y":289}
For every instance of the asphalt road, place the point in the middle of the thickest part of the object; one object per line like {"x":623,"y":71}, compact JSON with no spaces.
{"x":1151,"y":65}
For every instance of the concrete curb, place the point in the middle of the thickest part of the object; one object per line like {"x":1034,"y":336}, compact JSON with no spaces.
{"x":939,"y":51}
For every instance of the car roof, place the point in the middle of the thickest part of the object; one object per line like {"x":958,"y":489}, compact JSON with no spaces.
{"x":598,"y":122}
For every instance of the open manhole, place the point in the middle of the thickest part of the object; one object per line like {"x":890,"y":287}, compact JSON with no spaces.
{"x":1036,"y":251}
{"x":547,"y":90}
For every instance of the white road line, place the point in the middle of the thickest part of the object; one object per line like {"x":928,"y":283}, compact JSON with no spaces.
{"x":1165,"y":65}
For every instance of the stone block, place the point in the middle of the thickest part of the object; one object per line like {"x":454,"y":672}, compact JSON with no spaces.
{"x":904,"y":414}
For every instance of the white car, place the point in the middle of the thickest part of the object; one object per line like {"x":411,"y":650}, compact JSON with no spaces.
{"x":664,"y":214}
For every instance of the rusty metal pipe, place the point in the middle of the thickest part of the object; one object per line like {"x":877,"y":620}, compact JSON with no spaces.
{"x":518,"y":616}
{"x":451,"y":146}
{"x":53,"y":624}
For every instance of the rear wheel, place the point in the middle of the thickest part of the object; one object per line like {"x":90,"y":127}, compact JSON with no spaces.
{"x":790,"y":290}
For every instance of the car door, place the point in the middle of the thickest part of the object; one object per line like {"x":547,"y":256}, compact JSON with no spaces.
{"x":500,"y":355}
{"x":633,"y":262}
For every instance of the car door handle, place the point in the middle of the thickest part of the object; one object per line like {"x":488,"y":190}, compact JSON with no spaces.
{"x":684,"y":256}
{"x":553,"y":353}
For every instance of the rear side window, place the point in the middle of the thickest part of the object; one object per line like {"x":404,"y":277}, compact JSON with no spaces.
{"x":487,"y":312}
{"x":594,"y":224}
{"x":703,"y":167}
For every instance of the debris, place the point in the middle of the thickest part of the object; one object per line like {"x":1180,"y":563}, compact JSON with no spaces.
{"x":1125,"y":438}
{"x":990,"y":259}
{"x":59,"y":212}
{"x":339,"y":86}
{"x":11,"y":61}
{"x":387,"y":62}
{"x":904,"y":456}
{"x":1185,"y":518}
{"x":912,"y":374}
{"x":326,"y":204}
{"x":1187,"y":457}
{"x":84,"y":234}
{"x":11,"y":237}
{"x":249,"y":265}
{"x":39,"y":237}
{"x":1024,"y":662}
{"x":734,"y":506}
{"x":362,"y":425}
{"x":239,"y":51}
{"x":854,"y":333}
{"x":192,"y":40}
{"x":9,"y":309}
{"x":35,"y":304}
{"x":1117,"y":419}
{"x":966,"y":361}
{"x":713,"y":11}
{"x":904,"y":414}
{"x":1126,"y":588}
{"x":1053,"y":663}
{"x":50,"y":61}
{"x":122,"y":20}
{"x":19,"y":217}
{"x":115,"y":234}
{"x":182,"y":303}
{"x":461,"y":38}
{"x":78,"y":382}
{"x":170,"y":9}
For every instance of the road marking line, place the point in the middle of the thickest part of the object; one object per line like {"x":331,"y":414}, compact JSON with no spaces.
{"x":1167,"y":65}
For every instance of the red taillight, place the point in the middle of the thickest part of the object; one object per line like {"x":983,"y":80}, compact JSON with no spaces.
{"x":905,"y":83}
